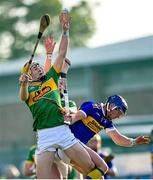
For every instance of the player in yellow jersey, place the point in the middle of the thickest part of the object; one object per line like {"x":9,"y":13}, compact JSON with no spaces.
{"x":52,"y":133}
{"x":60,"y":169}
{"x":63,"y":168}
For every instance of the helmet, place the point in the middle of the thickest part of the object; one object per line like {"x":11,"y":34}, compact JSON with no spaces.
{"x":119,"y":103}
{"x":24,"y":69}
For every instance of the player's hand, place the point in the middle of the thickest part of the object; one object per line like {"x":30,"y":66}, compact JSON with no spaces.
{"x":142,"y":140}
{"x":49,"y":45}
{"x":65,"y":19}
{"x":23,"y":80}
{"x":68,"y":117}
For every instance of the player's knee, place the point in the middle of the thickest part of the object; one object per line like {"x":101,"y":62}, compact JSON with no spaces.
{"x":90,"y":166}
{"x":103,"y":167}
{"x":105,"y":170}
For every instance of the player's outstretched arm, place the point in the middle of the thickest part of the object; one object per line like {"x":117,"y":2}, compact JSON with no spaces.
{"x":49,"y":44}
{"x":65,"y":23}
{"x":66,"y":65}
{"x":122,"y":140}
{"x":73,"y":117}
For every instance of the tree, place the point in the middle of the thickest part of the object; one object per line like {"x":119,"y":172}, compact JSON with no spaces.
{"x":19,"y":23}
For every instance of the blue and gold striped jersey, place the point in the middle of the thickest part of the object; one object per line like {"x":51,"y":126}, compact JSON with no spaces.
{"x":94,"y":122}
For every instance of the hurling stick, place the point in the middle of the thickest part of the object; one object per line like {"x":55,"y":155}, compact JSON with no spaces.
{"x":44,"y":22}
{"x":65,"y":91}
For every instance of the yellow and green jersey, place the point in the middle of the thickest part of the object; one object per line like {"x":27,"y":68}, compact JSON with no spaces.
{"x":45,"y":113}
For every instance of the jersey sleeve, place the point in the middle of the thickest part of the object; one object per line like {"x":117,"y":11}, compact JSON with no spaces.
{"x":54,"y":73}
{"x":87,"y":108}
{"x":109,"y":126}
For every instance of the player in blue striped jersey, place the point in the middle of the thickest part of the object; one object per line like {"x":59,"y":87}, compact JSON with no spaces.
{"x":93,"y":117}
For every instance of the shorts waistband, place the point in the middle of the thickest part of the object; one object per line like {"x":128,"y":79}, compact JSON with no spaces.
{"x":52,"y":128}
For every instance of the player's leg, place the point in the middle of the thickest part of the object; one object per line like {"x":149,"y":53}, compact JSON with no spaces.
{"x":76,"y":152}
{"x":55,"y":173}
{"x":101,"y":166}
{"x":93,"y":173}
{"x":44,"y":163}
{"x":61,"y":166}
{"x":80,"y":156}
{"x":63,"y":169}
{"x":98,"y":161}
{"x":47,"y":140}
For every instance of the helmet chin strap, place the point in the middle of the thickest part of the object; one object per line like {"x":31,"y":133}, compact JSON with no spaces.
{"x":107,"y":109}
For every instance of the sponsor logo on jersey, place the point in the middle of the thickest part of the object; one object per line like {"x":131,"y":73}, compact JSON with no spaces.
{"x":97,"y":105}
{"x":92,"y":124}
{"x":45,"y":88}
{"x":39,"y":94}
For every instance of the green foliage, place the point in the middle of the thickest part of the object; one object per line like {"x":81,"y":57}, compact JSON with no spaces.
{"x":83,"y":26}
{"x":19,"y":24}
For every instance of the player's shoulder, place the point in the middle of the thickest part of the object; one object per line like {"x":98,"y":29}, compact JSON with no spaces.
{"x":91,"y":102}
{"x":53,"y":71}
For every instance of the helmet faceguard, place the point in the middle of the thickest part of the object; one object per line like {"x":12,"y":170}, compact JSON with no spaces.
{"x":118,"y":102}
{"x":29,"y":73}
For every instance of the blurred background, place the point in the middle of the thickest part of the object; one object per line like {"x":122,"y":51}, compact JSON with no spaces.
{"x":111,"y":51}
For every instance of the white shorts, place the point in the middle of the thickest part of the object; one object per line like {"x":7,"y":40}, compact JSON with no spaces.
{"x":52,"y":138}
{"x":60,"y":154}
